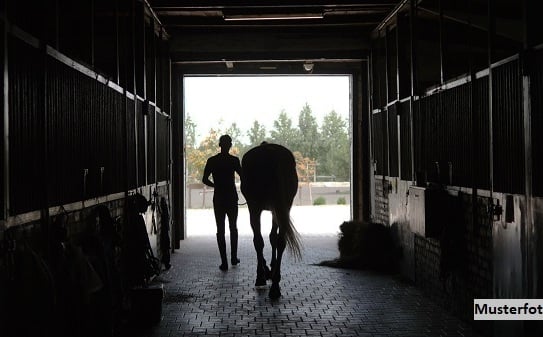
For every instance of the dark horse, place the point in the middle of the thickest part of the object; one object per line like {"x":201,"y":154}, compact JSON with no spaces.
{"x":269,"y":182}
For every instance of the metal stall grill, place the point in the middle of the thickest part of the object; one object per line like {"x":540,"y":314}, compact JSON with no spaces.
{"x":392,"y":121}
{"x":140,"y":134}
{"x":131,"y":144}
{"x":418,"y":155}
{"x":72,"y":134}
{"x":65,"y":135}
{"x":163,"y":139}
{"x":428,"y":137}
{"x":27,"y":127}
{"x":481,"y":138}
{"x":447,"y":131}
{"x":160,"y":68}
{"x":151,"y":162}
{"x":118,"y":153}
{"x":537,"y":124}
{"x":380,"y":152}
{"x":434,"y":136}
{"x":379,"y":93}
{"x":163,"y":76}
{"x":2,"y":144}
{"x":508,"y":129}
{"x":443,"y":135}
{"x":392,"y":64}
{"x":85,"y":136}
{"x":457,"y":127}
{"x":405,"y":141}
{"x":110,"y":144}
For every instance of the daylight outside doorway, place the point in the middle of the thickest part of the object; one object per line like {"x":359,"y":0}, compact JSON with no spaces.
{"x":310,"y":115}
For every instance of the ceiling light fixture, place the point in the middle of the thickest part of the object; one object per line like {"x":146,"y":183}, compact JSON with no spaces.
{"x":308,"y":67}
{"x":263,"y":17}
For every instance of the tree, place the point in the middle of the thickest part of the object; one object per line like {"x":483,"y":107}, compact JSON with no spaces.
{"x":305,"y":168}
{"x":327,"y":146}
{"x":283,"y":133}
{"x":235,"y":133}
{"x":257,"y":134}
{"x":332,"y":124}
{"x":308,"y":133}
{"x":190,"y":132}
{"x":334,"y":158}
{"x":192,"y":160}
{"x":197,"y":158}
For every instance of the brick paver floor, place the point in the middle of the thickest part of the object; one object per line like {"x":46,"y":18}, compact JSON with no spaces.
{"x":200,"y":300}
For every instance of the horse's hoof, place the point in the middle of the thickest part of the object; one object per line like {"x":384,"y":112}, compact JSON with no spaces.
{"x":275,"y":292}
{"x":260,"y":282}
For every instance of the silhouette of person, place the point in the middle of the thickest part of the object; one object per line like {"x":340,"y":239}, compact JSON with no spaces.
{"x":225,"y":197}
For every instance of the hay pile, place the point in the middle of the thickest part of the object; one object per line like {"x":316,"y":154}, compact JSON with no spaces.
{"x":366,"y":245}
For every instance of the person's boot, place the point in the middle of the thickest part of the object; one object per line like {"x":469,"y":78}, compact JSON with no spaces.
{"x":234,"y":247}
{"x":222,"y":250}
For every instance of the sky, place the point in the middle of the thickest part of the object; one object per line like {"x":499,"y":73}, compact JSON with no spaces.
{"x":218,"y":101}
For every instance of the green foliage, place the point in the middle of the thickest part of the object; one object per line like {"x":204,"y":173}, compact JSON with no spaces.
{"x":305,"y":167}
{"x":235,"y":132}
{"x":341,"y":201}
{"x":190,"y":132}
{"x":335,"y":152}
{"x":319,"y":201}
{"x":197,"y":157}
{"x":283,"y":133}
{"x":321,"y":151}
{"x":257,"y":134}
{"x":308,"y":133}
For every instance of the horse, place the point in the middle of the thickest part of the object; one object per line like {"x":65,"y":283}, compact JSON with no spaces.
{"x":269,"y":182}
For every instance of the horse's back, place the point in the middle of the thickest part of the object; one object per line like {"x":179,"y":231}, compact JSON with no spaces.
{"x":269,"y":174}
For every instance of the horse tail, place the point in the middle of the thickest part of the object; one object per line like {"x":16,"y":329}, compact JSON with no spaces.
{"x":289,"y":186}
{"x":291,"y":235}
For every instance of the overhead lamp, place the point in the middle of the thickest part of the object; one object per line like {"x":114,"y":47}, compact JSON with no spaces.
{"x":263,"y":17}
{"x":308,"y":67}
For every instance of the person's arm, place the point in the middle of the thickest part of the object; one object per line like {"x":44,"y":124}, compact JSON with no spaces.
{"x":238,"y":167}
{"x":207,"y":173}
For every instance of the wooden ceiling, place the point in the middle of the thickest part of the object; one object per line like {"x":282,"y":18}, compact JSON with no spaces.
{"x":213,"y":31}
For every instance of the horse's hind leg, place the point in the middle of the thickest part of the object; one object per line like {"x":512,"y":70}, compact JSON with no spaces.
{"x":275,"y":290}
{"x":258,"y":242}
{"x":273,"y":242}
